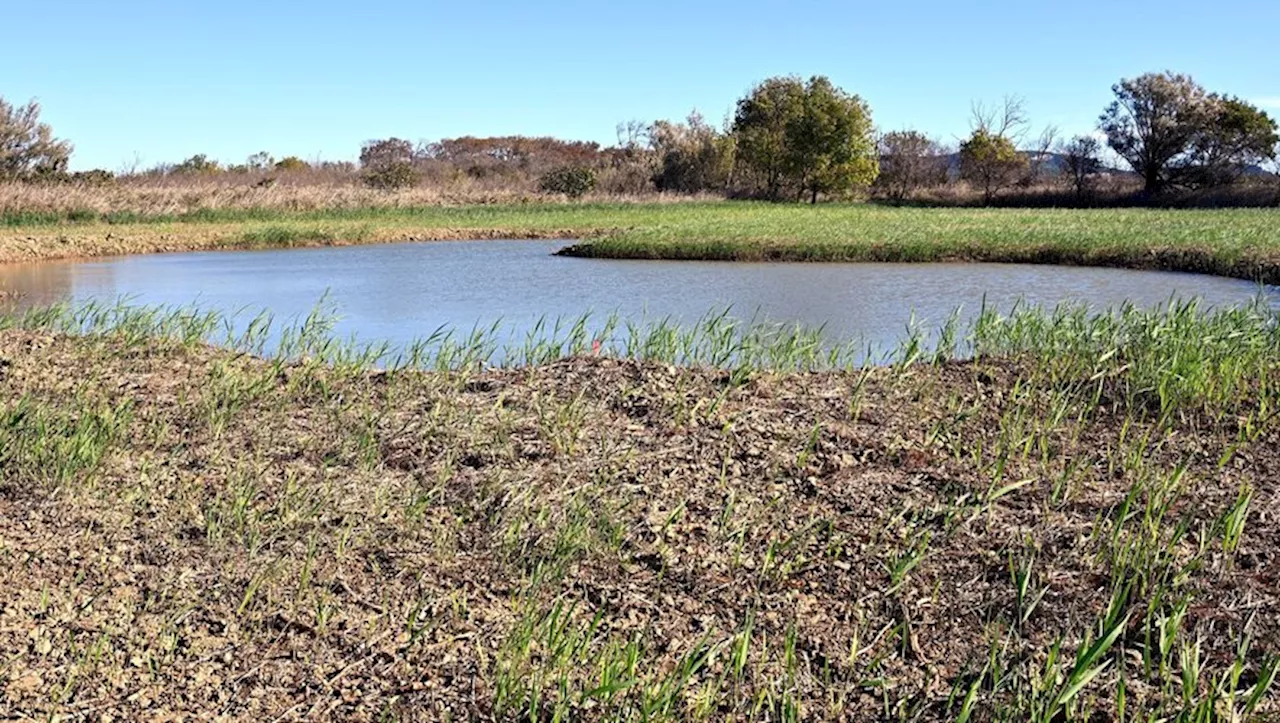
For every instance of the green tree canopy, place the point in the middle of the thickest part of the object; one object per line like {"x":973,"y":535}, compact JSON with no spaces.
{"x":809,"y":136}
{"x":991,"y":161}
{"x":832,"y":147}
{"x":1236,"y":135}
{"x":760,"y":128}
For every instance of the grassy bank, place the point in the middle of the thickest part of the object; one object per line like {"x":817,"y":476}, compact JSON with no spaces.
{"x":1077,"y":525}
{"x":1238,"y":243}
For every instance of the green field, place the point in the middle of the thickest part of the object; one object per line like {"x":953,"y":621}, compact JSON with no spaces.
{"x":1239,"y":243}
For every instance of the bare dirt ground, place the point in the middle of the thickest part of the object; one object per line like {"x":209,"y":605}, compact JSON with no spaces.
{"x":191,"y":534}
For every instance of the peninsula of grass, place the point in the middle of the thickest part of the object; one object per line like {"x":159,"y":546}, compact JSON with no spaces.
{"x":1078,"y":523}
{"x":1241,"y":243}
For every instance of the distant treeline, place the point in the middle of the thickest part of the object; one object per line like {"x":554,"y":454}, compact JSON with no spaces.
{"x":1163,"y":139}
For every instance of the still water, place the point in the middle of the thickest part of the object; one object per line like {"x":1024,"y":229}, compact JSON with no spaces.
{"x":400,"y":292}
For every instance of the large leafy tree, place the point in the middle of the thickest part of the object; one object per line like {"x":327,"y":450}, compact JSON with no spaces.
{"x":1153,"y":122}
{"x":1237,"y":134}
{"x":27,"y":146}
{"x":760,"y":129}
{"x":831,"y":147}
{"x":809,"y":136}
{"x":1171,"y":131}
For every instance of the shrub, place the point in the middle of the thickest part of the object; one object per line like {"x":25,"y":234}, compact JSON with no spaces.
{"x":693,"y":155}
{"x":390,"y":176}
{"x":572,"y":181}
{"x":199,"y":163}
{"x":292,"y":163}
{"x":909,"y":161}
{"x":96,"y":177}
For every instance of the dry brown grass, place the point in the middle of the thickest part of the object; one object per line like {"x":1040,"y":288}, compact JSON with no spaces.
{"x":168,"y":197}
{"x":171,"y":199}
{"x":144,"y":196}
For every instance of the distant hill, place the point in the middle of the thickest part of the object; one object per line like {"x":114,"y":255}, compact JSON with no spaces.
{"x":1052,"y":164}
{"x":1056,"y":163}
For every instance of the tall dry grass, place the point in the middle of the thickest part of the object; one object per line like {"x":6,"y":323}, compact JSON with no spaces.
{"x":165,"y":197}
{"x":142,"y":196}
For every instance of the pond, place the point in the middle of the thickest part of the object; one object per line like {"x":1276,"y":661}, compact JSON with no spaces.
{"x":405,"y":291}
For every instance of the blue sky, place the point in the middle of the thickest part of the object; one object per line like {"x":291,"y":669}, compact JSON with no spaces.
{"x":153,"y":80}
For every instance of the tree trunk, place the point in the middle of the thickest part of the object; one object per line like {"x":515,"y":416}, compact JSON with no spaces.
{"x":1151,"y":180}
{"x":814,"y":200}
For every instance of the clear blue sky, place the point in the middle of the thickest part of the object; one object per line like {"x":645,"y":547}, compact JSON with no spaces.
{"x":164,"y":79}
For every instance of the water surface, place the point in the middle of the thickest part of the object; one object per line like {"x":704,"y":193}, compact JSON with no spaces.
{"x":403,"y":291}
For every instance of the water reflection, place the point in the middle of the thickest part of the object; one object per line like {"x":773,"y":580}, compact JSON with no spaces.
{"x":38,"y":284}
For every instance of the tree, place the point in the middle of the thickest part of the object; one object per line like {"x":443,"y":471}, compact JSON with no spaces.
{"x":1007,"y":120}
{"x":830,"y":146}
{"x":1039,"y":158}
{"x":760,"y":129}
{"x":1153,"y":122}
{"x":387,"y":152}
{"x":693,"y":156}
{"x":992,"y":162}
{"x":1081,"y":162}
{"x":27,"y":146}
{"x":631,"y":164}
{"x":388,"y":164}
{"x":199,"y":163}
{"x":1173,"y":132}
{"x":990,"y":157}
{"x":260,"y":161}
{"x":631,"y":136}
{"x":811,"y":136}
{"x":909,"y":160}
{"x":1236,"y":135}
